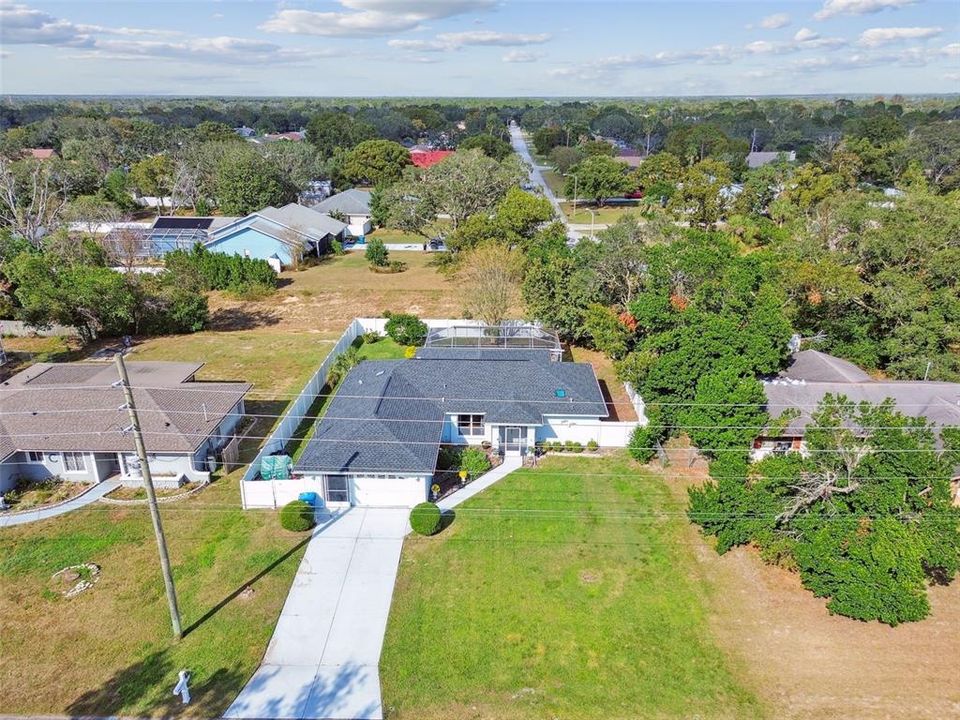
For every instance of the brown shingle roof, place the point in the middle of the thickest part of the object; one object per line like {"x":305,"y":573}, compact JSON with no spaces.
{"x":76,"y":407}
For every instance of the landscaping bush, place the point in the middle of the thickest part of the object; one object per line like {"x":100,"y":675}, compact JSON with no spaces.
{"x":410,"y":352}
{"x":371,"y":337}
{"x":397,"y":266}
{"x":474,"y":461}
{"x":376,"y":253}
{"x":347,"y":360}
{"x":406,"y":329}
{"x":593,"y":446}
{"x":297,"y":516}
{"x":425,"y":519}
{"x":573,"y":446}
{"x":219,"y":271}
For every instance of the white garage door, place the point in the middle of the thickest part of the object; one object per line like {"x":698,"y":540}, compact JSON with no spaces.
{"x":389,"y":491}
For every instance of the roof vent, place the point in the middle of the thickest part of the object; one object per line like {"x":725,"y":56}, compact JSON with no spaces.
{"x":560,"y":393}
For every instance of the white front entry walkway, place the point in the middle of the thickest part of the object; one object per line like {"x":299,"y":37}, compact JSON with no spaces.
{"x":75,"y":503}
{"x":322,"y":660}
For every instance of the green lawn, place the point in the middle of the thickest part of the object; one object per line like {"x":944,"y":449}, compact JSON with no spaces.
{"x":109,"y":650}
{"x":569,"y":591}
{"x":604,"y":215}
{"x":555,"y":180}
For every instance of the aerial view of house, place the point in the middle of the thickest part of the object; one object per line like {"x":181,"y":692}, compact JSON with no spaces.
{"x":69,"y":420}
{"x":353,"y":205}
{"x":278,"y":235}
{"x":378,"y":441}
{"x":812,"y":375}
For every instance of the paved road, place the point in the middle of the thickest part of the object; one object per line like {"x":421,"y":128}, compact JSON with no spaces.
{"x":82,"y":500}
{"x":536,"y":177}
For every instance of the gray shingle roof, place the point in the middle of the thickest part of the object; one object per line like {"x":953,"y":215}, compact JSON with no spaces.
{"x":387,"y":415}
{"x":814,"y":375}
{"x":348,"y":202}
{"x":815,"y":366}
{"x":74,"y":407}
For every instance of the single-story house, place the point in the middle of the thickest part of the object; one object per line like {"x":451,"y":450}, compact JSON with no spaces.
{"x":759,"y":158}
{"x":280,"y":236}
{"x":812,"y":375}
{"x":70,"y":420}
{"x":354,"y":205}
{"x":174,"y":232}
{"x":292,"y":136}
{"x":378,"y":441}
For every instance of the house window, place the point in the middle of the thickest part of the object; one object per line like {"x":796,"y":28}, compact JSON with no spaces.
{"x":470,"y":425}
{"x":338,"y":489}
{"x":34,"y":456}
{"x":74,"y":462}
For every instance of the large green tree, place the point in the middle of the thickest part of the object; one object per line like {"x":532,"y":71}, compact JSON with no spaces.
{"x":598,"y":178}
{"x":246,"y":182}
{"x":376,"y":162}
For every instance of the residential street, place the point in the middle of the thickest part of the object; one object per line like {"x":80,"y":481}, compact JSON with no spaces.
{"x":520,"y":146}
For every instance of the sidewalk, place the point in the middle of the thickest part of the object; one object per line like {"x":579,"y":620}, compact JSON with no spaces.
{"x":90,"y":496}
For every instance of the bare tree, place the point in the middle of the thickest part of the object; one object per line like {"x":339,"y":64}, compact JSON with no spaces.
{"x":33,"y":197}
{"x":491,"y":275}
{"x":127,"y":247}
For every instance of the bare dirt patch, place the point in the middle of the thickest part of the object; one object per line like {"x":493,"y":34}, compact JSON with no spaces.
{"x":806,"y":663}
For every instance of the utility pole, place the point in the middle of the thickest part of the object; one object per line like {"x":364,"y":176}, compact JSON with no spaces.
{"x":151,"y":499}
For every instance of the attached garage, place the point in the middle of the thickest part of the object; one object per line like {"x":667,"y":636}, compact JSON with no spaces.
{"x":389,"y":490}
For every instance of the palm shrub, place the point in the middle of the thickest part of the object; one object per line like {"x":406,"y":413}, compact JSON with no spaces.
{"x":425,"y":519}
{"x":297,"y":516}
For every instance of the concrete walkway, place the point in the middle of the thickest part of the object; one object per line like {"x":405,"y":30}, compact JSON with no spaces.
{"x":82,"y":500}
{"x":508,"y":465}
{"x":322,"y":661}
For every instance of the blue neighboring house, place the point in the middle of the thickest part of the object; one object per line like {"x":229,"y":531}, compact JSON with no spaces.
{"x":280,"y":236}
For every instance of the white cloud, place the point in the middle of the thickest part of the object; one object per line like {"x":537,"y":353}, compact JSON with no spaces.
{"x":607,"y":70}
{"x":772,"y":22}
{"x":445,"y":42}
{"x":804,"y":39}
{"x":491,"y":37}
{"x":858,"y":7}
{"x":951,"y":50}
{"x":521,"y":56}
{"x":370,"y":18}
{"x":875,"y":37}
{"x":22,"y":25}
{"x":223,"y":49}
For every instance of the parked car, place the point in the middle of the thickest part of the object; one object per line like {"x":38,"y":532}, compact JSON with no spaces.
{"x":437,"y":244}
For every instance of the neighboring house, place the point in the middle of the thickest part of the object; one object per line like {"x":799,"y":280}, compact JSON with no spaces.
{"x":40,"y":153}
{"x":354,"y":205}
{"x":379,"y":439}
{"x":293,"y":136}
{"x":70,"y":420}
{"x":759,"y":158}
{"x":281,"y":236}
{"x":631,"y":160}
{"x":428,"y":158}
{"x":812,"y":375}
{"x":244,"y":131}
{"x":170,"y":233}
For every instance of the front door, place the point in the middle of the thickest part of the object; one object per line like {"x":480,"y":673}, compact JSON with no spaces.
{"x":513,"y":440}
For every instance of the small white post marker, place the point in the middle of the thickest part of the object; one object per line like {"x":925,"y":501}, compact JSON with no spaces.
{"x":182,"y":689}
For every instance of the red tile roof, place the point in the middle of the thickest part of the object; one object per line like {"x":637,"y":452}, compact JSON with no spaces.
{"x":427,"y":158}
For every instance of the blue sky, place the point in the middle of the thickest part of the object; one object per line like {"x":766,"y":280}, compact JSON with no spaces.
{"x":479,"y":47}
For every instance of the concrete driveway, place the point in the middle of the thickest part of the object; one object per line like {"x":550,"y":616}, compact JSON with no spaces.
{"x":322,"y":661}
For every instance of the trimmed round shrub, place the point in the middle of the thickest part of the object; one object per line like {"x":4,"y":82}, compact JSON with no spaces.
{"x":406,"y":329}
{"x":593,"y":446}
{"x":425,"y":519}
{"x":297,"y":516}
